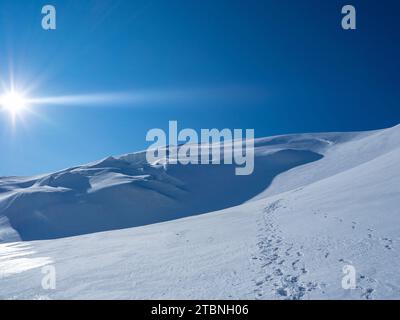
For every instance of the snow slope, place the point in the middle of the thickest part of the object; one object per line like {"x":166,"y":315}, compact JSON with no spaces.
{"x":316,"y":203}
{"x":123,"y":192}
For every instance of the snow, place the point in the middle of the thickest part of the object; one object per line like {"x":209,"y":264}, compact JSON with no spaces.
{"x":122,"y":229}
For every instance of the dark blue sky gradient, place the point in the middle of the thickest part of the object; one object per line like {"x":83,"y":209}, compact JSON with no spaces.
{"x":277,"y":66}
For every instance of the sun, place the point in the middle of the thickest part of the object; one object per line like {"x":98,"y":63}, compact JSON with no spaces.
{"x":13,"y":102}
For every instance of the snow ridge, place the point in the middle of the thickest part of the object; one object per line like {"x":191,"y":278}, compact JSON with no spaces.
{"x":315,"y":204}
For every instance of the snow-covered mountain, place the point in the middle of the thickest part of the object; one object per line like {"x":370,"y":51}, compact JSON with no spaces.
{"x":315,"y":203}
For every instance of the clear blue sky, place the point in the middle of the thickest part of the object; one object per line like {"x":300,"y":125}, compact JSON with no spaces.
{"x":275,"y":66}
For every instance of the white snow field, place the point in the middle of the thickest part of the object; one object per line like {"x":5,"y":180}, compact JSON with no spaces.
{"x":123,"y":229}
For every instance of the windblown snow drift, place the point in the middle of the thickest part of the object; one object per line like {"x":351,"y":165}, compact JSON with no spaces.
{"x":315,"y":203}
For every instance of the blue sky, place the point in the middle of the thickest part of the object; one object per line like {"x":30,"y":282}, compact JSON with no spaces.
{"x":275,"y":66}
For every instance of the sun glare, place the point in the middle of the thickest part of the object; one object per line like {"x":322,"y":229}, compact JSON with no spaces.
{"x":13,"y":102}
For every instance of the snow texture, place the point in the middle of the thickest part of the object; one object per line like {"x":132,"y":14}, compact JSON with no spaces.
{"x":121,"y":228}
